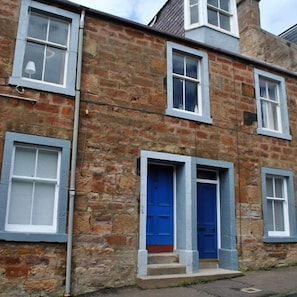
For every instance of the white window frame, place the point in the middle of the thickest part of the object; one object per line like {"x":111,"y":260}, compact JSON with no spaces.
{"x":289,"y":234}
{"x":38,"y":233}
{"x":282,"y":109}
{"x":203,"y":17}
{"x":203,"y":114}
{"x":68,"y":86}
{"x":30,"y":227}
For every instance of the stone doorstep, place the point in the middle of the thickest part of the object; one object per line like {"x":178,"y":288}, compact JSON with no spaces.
{"x":163,"y":258}
{"x":166,"y":269}
{"x":174,"y":280}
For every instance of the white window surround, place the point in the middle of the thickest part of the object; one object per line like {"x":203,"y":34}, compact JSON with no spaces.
{"x":48,"y":227}
{"x":203,"y":18}
{"x":284,"y":131}
{"x":68,"y":87}
{"x":289,"y":234}
{"x":204,"y":100}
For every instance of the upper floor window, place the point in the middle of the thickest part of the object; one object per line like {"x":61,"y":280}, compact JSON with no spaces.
{"x":33,"y":203}
{"x":218,"y":14}
{"x":271,"y":105}
{"x":278,"y":205}
{"x":187,"y":83}
{"x":46,"y":48}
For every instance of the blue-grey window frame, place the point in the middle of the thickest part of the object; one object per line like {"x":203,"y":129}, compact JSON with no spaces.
{"x":11,"y":139}
{"x":16,"y":77}
{"x":285,"y":134}
{"x":205,"y":117}
{"x":289,"y":176}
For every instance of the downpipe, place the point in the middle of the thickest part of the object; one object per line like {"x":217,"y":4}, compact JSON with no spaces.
{"x":72,"y":190}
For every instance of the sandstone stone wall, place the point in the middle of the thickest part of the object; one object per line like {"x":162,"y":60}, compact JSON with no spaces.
{"x":123,"y":103}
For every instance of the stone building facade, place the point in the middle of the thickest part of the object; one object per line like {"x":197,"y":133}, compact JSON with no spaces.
{"x":113,"y":137}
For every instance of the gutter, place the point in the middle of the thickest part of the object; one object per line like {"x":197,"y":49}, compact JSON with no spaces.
{"x":72,"y":190}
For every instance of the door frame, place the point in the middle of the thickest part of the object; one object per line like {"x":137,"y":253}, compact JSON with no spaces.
{"x":218,"y":201}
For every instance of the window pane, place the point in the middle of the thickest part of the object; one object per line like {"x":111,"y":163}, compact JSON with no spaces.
{"x":58,"y":32}
{"x":194,"y":12}
{"x":279,"y":216}
{"x":34,"y":52}
{"x":263,"y":92}
{"x":191,"y":96}
{"x":20,"y":203}
{"x":264,"y":110}
{"x":178,"y":64}
{"x":269,"y":187}
{"x":225,"y":22}
{"x":47,"y":164}
{"x":272,"y":91}
{"x":43,"y":208}
{"x":177,"y":93}
{"x":192,"y":68}
{"x":37,"y":26}
{"x":192,"y":2}
{"x":279,"y":188}
{"x":224,"y":4}
{"x":24,"y":161}
{"x":270,"y":215}
{"x":213,"y":2}
{"x":212,"y":17}
{"x":54,"y":65}
{"x":272,"y":120}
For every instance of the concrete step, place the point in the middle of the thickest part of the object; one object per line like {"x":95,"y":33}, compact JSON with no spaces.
{"x":208,"y":264}
{"x":165,"y":269}
{"x":173,"y":280}
{"x":163,"y":258}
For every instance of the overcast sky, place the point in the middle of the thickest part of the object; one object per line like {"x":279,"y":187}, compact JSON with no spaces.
{"x":276,"y":15}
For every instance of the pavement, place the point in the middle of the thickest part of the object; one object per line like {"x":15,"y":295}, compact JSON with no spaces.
{"x":277,"y":282}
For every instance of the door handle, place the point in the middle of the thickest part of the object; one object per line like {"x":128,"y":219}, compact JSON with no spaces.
{"x":201,"y":229}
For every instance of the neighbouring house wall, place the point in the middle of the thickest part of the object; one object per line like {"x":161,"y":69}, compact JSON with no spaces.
{"x":122,"y":112}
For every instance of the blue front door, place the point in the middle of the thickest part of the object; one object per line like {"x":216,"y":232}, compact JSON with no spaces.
{"x":207,"y":220}
{"x":159,"y":231}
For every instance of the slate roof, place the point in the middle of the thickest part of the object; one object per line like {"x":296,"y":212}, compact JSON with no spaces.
{"x":170,"y":18}
{"x":290,"y":34}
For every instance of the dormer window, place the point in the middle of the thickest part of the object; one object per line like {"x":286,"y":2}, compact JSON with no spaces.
{"x":220,"y":15}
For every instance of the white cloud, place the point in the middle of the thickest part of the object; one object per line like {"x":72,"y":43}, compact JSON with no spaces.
{"x":277,"y":15}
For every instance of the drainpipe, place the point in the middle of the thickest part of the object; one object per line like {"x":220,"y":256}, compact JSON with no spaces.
{"x":73,"y":156}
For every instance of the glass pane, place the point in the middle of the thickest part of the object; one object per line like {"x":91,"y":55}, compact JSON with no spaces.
{"x":269,"y":187}
{"x":213,"y":2}
{"x":279,"y":188}
{"x":194,"y":11}
{"x":212,"y":17}
{"x":263,"y":92}
{"x":279,"y":216}
{"x":206,"y":174}
{"x":47,"y":164}
{"x":37,"y":26}
{"x":192,"y":68}
{"x":225,"y":22}
{"x":54,"y":65}
{"x":193,"y":2}
{"x":43,"y":208}
{"x":191,"y":96}
{"x":20,"y":203}
{"x":24,"y":161}
{"x":264,"y":114}
{"x":34,"y":52}
{"x":178,"y":64}
{"x":272,"y":91}
{"x":272,"y":122}
{"x":58,"y":32}
{"x":178,"y":93}
{"x":270,"y":215}
{"x":224,"y":4}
